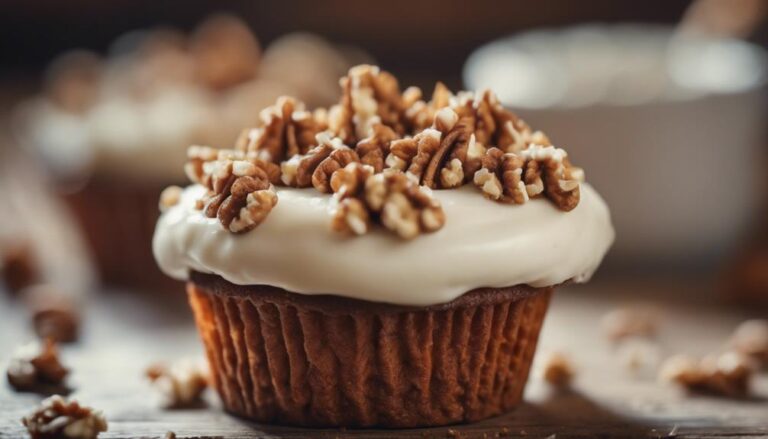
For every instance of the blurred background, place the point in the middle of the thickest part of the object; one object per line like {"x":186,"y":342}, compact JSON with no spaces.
{"x":662,"y":102}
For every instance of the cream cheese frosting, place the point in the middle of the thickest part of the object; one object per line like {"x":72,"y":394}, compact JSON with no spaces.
{"x":483,"y":244}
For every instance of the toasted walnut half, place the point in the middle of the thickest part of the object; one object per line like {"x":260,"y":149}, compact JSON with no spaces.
{"x":420,"y":114}
{"x":59,"y":418}
{"x":369,"y":96}
{"x":374,"y":148}
{"x":500,"y":177}
{"x":239,"y":194}
{"x":316,"y":166}
{"x":548,"y":172}
{"x":286,"y":130}
{"x":390,"y":198}
{"x":440,"y":157}
{"x":36,"y":368}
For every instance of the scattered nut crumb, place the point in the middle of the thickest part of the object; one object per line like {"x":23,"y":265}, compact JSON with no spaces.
{"x":751,"y":338}
{"x":36,"y":368}
{"x":18,"y":267}
{"x":726,"y":374}
{"x":170,"y":197}
{"x":622,"y":323}
{"x":59,"y":418}
{"x":557,"y":370}
{"x":53,"y":313}
{"x":180,"y":385}
{"x":639,"y":356}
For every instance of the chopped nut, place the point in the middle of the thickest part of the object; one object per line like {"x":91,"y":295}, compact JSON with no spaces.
{"x":54,"y":314}
{"x":548,"y":172}
{"x":374,"y":148}
{"x":170,"y":197}
{"x":18,"y":266}
{"x":557,"y":370}
{"x":316,"y":166}
{"x":58,"y":418}
{"x":240,"y":193}
{"x":622,"y":323}
{"x":369,"y":96}
{"x":727,"y":374}
{"x":500,"y":177}
{"x":36,"y":368}
{"x":286,"y":130}
{"x":180,"y":385}
{"x":196,"y":157}
{"x":751,"y":338}
{"x":390,"y":198}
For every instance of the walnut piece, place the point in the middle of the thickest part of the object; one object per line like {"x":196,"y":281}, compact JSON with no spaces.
{"x":180,"y":385}
{"x":316,"y":166}
{"x":239,"y":194}
{"x":727,"y":374}
{"x":18,"y":265}
{"x":390,"y":198}
{"x":286,"y":130}
{"x":59,"y":418}
{"x":557,"y":370}
{"x":373,"y":149}
{"x":438,"y":156}
{"x":751,"y":338}
{"x":369,"y":96}
{"x":500,"y":177}
{"x":36,"y":368}
{"x":170,"y":197}
{"x":548,"y":172}
{"x":54,"y":312}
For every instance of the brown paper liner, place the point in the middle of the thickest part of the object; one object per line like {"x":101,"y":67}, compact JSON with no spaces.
{"x":280,"y":357}
{"x":118,"y":222}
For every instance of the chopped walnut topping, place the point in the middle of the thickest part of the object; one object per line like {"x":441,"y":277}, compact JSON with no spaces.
{"x":548,"y":172}
{"x":727,"y":374}
{"x":197,"y":156}
{"x":369,"y":96}
{"x":390,"y":198}
{"x":240,"y":194}
{"x":557,"y":370}
{"x":287,"y":130}
{"x":58,"y":418}
{"x":180,"y":385}
{"x":751,"y":338}
{"x":316,"y":166}
{"x":36,"y":368}
{"x":629,"y":322}
{"x":439,"y":156}
{"x":170,"y":197}
{"x":374,"y":148}
{"x":420,"y":114}
{"x":500,"y":177}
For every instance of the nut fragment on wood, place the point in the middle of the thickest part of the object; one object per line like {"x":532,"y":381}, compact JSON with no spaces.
{"x":179,"y":385}
{"x":751,"y":338}
{"x":557,"y":370}
{"x":35,"y":367}
{"x":727,"y":374}
{"x":58,"y":418}
{"x":54,"y":313}
{"x":18,"y":266}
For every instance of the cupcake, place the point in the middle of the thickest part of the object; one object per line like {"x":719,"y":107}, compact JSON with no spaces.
{"x":113,"y":130}
{"x":385,"y":262}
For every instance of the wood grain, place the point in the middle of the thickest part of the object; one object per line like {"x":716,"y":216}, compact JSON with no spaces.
{"x":126,"y":331}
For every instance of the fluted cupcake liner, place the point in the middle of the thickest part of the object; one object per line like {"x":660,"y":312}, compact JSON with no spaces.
{"x":286,"y":358}
{"x":118,"y":222}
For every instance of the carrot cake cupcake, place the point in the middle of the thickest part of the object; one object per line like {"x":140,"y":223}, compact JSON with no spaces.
{"x":385,"y":262}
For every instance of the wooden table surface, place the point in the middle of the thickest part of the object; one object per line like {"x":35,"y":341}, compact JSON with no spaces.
{"x":125,"y":332}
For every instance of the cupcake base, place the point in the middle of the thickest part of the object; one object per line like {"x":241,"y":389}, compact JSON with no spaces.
{"x":327,"y":361}
{"x":118,"y":221}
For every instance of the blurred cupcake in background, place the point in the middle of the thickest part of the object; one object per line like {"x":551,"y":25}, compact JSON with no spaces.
{"x":112,"y":131}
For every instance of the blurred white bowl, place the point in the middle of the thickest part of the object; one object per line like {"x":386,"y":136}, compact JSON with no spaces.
{"x":669,"y":128}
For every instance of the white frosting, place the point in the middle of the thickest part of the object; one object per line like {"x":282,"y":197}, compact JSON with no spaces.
{"x":483,"y":244}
